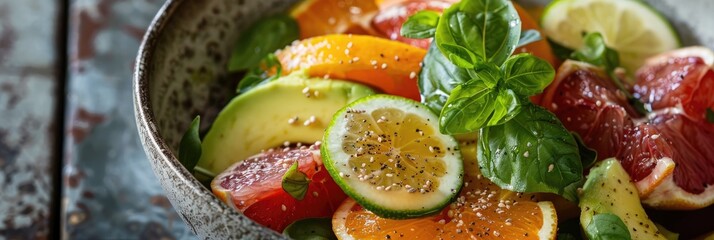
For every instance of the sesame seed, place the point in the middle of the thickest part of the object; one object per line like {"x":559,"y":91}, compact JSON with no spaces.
{"x":286,"y":143}
{"x":292,"y":120}
{"x":373,"y":62}
{"x":412,"y":75}
{"x":396,"y":58}
{"x":315,"y":194}
{"x":550,"y":167}
{"x":442,"y":221}
{"x":384,"y":65}
{"x":316,"y":93}
{"x":349,"y":44}
{"x":347,"y":52}
{"x":496,"y":233}
{"x":389,"y":175}
{"x":355,"y":59}
{"x":380,"y":188}
{"x":431,"y":149}
{"x":312,"y":118}
{"x":283,"y":207}
{"x":342,"y":174}
{"x":526,"y":154}
{"x":306,"y":90}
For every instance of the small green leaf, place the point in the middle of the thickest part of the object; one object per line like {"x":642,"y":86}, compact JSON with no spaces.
{"x":531,"y":153}
{"x":529,"y":36}
{"x":468,"y":108}
{"x":295,"y":182}
{"x":606,"y":226}
{"x":264,"y":37}
{"x":587,"y":154}
{"x":560,"y":51}
{"x":507,"y":106}
{"x":310,"y":229}
{"x":190,"y":146}
{"x":459,"y":55}
{"x":438,"y":78}
{"x":260,"y":75}
{"x":527,"y":75}
{"x":420,"y":25}
{"x":488,"y":28}
{"x":489,"y":73}
{"x":710,"y":115}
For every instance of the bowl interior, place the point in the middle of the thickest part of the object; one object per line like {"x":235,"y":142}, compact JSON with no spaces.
{"x":182,"y":74}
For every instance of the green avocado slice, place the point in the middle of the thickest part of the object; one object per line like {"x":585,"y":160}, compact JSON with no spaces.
{"x":273,"y":113}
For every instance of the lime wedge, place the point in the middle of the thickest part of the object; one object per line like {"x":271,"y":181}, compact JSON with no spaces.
{"x":631,"y":27}
{"x":387,"y":153}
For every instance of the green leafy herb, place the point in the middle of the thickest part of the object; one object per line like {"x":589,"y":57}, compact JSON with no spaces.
{"x":469,"y":108}
{"x":438,"y":78}
{"x":528,"y":36}
{"x":596,"y":52}
{"x":587,"y":155}
{"x":490,"y":29}
{"x":311,"y":229}
{"x":531,"y":153}
{"x":295,"y":182}
{"x":420,"y":25}
{"x":527,"y":75}
{"x":486,"y":90}
{"x":710,"y":115}
{"x":560,"y":51}
{"x":266,"y":36}
{"x":607,"y":226}
{"x":260,"y":75}
{"x":190,"y":146}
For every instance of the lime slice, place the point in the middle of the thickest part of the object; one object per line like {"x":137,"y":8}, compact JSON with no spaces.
{"x":631,"y":27}
{"x":387,"y":153}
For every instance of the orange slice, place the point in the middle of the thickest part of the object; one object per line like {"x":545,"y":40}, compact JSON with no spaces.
{"x":482,"y":211}
{"x":321,"y":17}
{"x":386,"y":65}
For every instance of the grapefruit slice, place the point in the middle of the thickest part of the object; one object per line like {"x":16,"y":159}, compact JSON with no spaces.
{"x":482,"y":211}
{"x":253,"y":186}
{"x":668,"y":153}
{"x":391,"y":67}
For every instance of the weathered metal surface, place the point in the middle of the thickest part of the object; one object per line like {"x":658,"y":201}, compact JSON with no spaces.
{"x":109,"y":188}
{"x":28,"y":105}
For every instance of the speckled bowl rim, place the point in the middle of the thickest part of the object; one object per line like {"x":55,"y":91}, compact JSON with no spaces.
{"x":145,"y":119}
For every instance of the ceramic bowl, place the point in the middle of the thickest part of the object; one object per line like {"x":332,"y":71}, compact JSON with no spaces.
{"x":180,"y":73}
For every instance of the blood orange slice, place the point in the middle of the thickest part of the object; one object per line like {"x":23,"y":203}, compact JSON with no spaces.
{"x":253,"y":187}
{"x":667,"y":153}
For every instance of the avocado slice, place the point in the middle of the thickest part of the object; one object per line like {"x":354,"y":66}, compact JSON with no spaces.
{"x":608,"y":189}
{"x":261,"y":118}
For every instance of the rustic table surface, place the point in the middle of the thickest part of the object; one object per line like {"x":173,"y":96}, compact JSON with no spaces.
{"x":71,"y":163}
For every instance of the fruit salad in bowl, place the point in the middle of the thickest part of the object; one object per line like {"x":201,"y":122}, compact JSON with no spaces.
{"x":471,"y":119}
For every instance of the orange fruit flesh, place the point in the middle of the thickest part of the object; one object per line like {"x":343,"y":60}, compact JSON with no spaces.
{"x":540,"y":48}
{"x":321,"y":17}
{"x":482,"y":210}
{"x":386,"y":65}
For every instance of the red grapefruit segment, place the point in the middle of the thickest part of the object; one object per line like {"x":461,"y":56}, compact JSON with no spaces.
{"x":668,"y":153}
{"x":254,"y":187}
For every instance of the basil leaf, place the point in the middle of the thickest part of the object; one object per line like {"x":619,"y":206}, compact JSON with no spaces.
{"x":459,"y":55}
{"x":710,"y":115}
{"x":420,"y":25}
{"x":507,"y":106}
{"x":468,"y":109}
{"x":605,"y":226}
{"x":489,"y":73}
{"x":260,"y":75}
{"x":438,"y":78}
{"x":527,"y":75}
{"x":531,"y":153}
{"x":595,"y":52}
{"x":587,"y":154}
{"x":488,"y":28}
{"x":527,"y":37}
{"x":310,"y":228}
{"x":295,"y":182}
{"x":264,"y":37}
{"x":190,"y":146}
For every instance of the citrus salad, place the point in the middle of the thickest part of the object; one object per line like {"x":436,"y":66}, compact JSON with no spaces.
{"x":446,"y":119}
